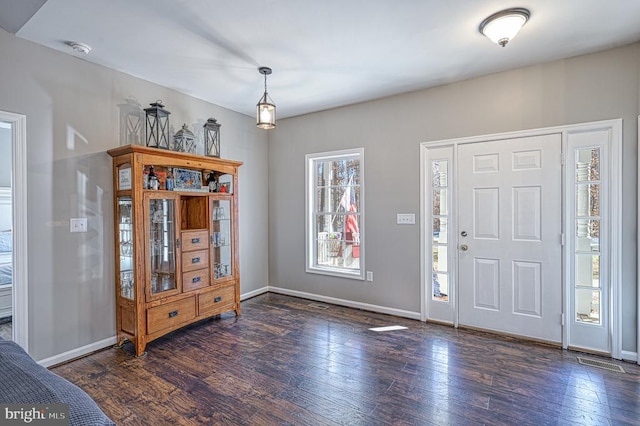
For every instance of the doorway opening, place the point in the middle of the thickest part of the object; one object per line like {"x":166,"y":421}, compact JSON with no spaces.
{"x":13,"y":229}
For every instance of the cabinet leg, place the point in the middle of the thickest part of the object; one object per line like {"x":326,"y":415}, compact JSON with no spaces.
{"x":121,"y":342}
{"x":140,"y":348}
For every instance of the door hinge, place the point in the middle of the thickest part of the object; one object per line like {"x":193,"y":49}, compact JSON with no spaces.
{"x":562,"y":319}
{"x":562,"y":159}
{"x":562,"y":239}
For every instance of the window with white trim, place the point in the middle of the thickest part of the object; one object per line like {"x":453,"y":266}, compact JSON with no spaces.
{"x":335,"y":213}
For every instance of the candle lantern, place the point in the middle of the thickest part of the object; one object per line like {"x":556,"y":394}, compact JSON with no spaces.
{"x":157,"y":126}
{"x":212,"y":138}
{"x":131,"y":122}
{"x":184,"y":140}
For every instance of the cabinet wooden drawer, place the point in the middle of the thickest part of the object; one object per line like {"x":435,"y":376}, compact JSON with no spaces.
{"x":195,"y":260}
{"x":195,"y":240}
{"x":170,"y":314}
{"x":195,"y":279}
{"x":217,"y":301}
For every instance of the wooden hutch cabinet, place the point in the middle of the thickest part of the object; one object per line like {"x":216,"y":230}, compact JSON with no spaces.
{"x":176,"y":242}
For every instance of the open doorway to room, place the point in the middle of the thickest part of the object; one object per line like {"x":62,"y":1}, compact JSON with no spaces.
{"x":13,"y":229}
{"x":6,"y":233}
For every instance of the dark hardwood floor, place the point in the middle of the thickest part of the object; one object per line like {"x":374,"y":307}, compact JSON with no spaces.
{"x":289,"y":361}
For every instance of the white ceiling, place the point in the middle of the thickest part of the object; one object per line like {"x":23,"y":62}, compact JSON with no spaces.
{"x":323,"y":54}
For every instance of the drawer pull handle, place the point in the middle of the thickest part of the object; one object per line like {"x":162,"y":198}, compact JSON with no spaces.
{"x":196,"y":279}
{"x":195,"y":260}
{"x":195,"y":240}
{"x":173,"y":314}
{"x":217,"y":299}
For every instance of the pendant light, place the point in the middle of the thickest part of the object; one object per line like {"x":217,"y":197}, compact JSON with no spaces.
{"x":266,"y":114}
{"x":502,"y":27}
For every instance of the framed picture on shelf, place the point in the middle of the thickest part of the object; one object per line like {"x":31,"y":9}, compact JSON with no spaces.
{"x":225,"y":184}
{"x":186,"y":179}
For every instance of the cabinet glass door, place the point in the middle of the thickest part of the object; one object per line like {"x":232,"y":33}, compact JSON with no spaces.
{"x":125,"y":245}
{"x":221,"y":239}
{"x":161,"y":222}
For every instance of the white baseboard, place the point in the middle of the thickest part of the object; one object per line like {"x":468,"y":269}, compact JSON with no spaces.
{"x":254,"y":293}
{"x":630,"y":356}
{"x":76,"y":353}
{"x":347,"y":303}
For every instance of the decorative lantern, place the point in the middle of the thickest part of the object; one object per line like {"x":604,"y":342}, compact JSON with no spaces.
{"x":131,"y":119}
{"x":157,"y":126}
{"x":266,"y":109}
{"x":212,"y":138}
{"x":184,"y":140}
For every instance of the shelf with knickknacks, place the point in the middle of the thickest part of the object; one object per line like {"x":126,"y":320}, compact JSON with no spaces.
{"x":215,"y":183}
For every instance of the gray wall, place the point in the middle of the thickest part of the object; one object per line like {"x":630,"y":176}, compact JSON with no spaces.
{"x":72,"y":119}
{"x":593,"y":87}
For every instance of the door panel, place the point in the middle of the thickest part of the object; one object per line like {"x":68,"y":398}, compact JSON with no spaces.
{"x":486,"y":213}
{"x":527,"y":288}
{"x":510,"y":261}
{"x":487,"y":283}
{"x":527,"y":213}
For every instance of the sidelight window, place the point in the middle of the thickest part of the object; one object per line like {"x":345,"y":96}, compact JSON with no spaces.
{"x":440,"y":245}
{"x":588,"y":287}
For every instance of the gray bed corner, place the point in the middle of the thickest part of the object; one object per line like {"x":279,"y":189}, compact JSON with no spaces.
{"x":24,"y":381}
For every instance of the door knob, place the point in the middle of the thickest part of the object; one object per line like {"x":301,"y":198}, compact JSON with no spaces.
{"x":464,"y":247}
{"x":463,"y":233}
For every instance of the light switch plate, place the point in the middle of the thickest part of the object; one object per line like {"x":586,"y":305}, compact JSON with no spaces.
{"x":406,"y":219}
{"x":78,"y":224}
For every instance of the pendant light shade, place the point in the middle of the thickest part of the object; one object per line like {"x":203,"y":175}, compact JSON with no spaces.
{"x":266,"y":109}
{"x":503,"y":26}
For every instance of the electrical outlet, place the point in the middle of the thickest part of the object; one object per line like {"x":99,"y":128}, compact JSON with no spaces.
{"x":369,"y":276}
{"x":406,"y":219}
{"x":78,"y":224}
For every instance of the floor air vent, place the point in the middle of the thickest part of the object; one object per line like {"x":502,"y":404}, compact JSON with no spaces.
{"x":601,"y":364}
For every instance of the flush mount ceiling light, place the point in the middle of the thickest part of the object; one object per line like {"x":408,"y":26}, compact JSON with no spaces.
{"x":503,"y":26}
{"x":79,"y":47}
{"x":266,"y":114}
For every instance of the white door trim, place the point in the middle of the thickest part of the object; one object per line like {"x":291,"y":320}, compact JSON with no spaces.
{"x":616,"y":219}
{"x":19,"y":188}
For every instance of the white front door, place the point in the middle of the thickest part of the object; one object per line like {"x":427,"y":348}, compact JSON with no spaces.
{"x":510,"y":226}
